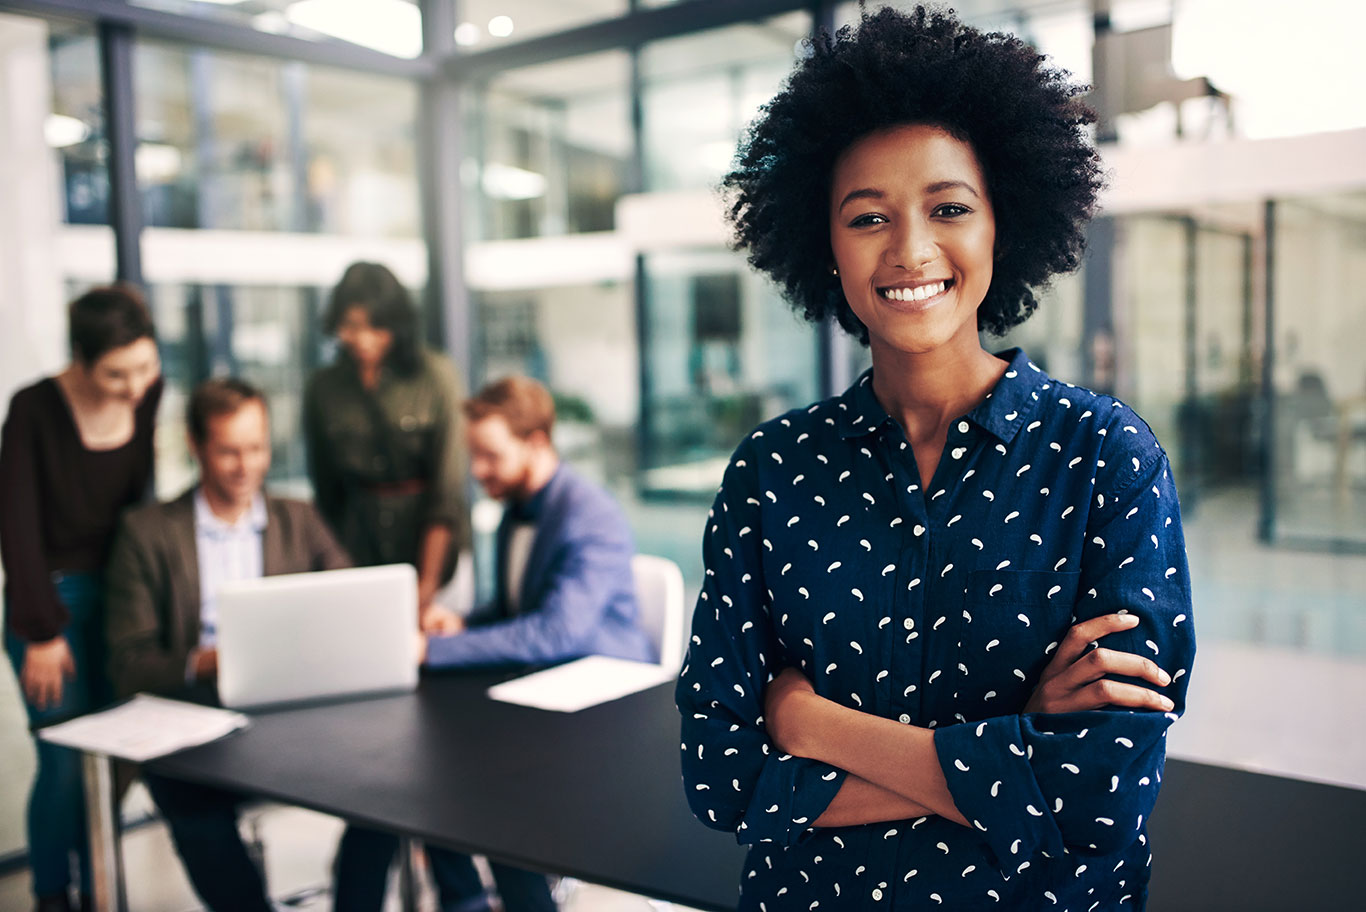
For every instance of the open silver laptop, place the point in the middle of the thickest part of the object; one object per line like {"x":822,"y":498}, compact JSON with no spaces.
{"x":308,"y":637}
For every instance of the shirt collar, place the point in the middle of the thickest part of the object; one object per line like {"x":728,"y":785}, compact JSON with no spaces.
{"x":1002,"y":413}
{"x":530,"y":510}
{"x":254,"y":520}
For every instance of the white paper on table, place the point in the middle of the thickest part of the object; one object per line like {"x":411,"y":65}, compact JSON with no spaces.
{"x":581,"y":683}
{"x":145,"y":727}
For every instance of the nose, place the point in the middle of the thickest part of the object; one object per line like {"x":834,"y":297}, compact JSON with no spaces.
{"x":911,"y":244}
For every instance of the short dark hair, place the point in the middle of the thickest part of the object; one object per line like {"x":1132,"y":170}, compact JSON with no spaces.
{"x":1023,"y":118}
{"x":374,"y":287}
{"x":106,"y":318}
{"x":218,"y":396}
{"x":525,"y":404}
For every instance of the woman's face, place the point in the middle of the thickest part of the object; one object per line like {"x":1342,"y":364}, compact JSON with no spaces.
{"x":125,"y":373}
{"x":913,"y":235}
{"x":367,"y":343}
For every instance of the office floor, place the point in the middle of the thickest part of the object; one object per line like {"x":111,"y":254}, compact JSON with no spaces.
{"x":1279,"y":684}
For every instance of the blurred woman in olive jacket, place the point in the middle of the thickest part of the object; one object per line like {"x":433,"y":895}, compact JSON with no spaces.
{"x":385,"y":446}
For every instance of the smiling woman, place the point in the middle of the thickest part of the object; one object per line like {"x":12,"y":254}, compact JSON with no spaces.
{"x":894,"y":691}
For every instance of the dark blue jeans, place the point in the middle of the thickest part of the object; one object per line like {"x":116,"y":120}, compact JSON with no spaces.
{"x":363,"y":873}
{"x":56,"y":805}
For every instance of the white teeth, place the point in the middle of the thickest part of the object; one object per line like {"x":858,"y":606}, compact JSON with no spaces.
{"x":919,"y":293}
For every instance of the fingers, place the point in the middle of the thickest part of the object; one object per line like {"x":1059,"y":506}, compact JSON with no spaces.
{"x":1087,"y":632}
{"x":1116,"y":693}
{"x":1101,"y":662}
{"x":41,"y":688}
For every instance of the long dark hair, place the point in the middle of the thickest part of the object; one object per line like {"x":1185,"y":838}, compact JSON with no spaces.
{"x":388,"y":305}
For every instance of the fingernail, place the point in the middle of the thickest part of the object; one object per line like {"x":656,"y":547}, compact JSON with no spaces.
{"x":1166,"y":678}
{"x":1168,"y":704}
{"x":1130,"y":619}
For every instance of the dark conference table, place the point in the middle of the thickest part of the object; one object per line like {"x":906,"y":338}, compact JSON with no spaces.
{"x":597,"y":795}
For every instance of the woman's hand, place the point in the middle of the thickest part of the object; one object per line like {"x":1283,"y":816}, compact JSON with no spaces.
{"x":786,"y":699}
{"x":1075,"y":680}
{"x":46,"y":666}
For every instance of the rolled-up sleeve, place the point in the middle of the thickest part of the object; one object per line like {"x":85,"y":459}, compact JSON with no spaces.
{"x":446,"y":504}
{"x":1086,"y":781}
{"x":736,"y":780}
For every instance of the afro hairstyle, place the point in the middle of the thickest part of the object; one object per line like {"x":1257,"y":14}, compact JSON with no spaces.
{"x":1024,"y":119}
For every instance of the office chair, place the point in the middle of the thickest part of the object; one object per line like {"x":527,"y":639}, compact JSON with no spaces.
{"x":659,"y":593}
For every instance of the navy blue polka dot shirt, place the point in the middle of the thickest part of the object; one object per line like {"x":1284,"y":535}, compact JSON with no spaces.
{"x":939,"y":605}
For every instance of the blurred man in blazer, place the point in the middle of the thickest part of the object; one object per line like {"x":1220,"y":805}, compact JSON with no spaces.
{"x":165,"y":566}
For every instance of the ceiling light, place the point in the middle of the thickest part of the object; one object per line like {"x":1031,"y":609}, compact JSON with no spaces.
{"x":500,"y":26}
{"x":507,"y":182}
{"x":391,"y":26}
{"x":274,"y":22}
{"x":156,"y":163}
{"x":61,"y":131}
{"x":467,"y":34}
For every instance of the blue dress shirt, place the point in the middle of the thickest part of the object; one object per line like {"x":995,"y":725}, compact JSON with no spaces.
{"x":940,"y":605}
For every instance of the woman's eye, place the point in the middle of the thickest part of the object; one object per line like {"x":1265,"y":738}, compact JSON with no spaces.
{"x":863,"y":221}
{"x":951,"y":210}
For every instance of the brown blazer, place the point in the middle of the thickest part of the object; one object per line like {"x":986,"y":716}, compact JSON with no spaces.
{"x":152,"y":584}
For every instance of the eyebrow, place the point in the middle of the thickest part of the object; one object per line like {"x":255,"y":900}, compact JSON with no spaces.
{"x":937,"y":187}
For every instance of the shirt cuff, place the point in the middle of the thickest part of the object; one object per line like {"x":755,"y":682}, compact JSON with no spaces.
{"x":987,"y":769}
{"x":790,"y":794}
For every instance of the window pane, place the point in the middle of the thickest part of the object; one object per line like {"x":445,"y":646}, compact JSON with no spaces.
{"x":549,"y":148}
{"x":701,"y":90}
{"x":1320,"y":383}
{"x":234,"y":141}
{"x":75,"y":127}
{"x":725,"y":353}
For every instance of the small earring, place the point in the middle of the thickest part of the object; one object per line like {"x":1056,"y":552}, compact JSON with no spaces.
{"x":834,"y":270}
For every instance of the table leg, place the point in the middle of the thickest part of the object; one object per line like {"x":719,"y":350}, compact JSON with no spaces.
{"x":407,"y":876}
{"x":102,"y":819}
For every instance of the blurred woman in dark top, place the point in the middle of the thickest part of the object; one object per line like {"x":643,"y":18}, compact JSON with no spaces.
{"x":76,"y":449}
{"x":382,"y":422}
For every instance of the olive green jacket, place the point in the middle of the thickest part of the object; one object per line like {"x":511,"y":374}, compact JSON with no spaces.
{"x":387,"y":463}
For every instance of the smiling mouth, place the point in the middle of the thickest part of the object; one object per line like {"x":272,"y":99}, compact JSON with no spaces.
{"x":918,"y":293}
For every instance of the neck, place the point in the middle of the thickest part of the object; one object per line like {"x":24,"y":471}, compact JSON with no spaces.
{"x":542,"y":469}
{"x":924,"y":391}
{"x":369,"y":375}
{"x":79,"y":390}
{"x":229,"y":509}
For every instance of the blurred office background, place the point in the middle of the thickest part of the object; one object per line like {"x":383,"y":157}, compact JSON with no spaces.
{"x":542,"y":174}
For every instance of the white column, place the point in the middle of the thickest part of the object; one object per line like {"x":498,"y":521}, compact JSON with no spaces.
{"x":32,"y":309}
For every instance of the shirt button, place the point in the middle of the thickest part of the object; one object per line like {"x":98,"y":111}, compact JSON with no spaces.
{"x":962,"y":427}
{"x":905,"y":719}
{"x":908,"y":624}
{"x":877,"y":894}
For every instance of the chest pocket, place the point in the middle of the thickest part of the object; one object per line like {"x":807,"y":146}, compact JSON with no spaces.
{"x":1009,"y":620}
